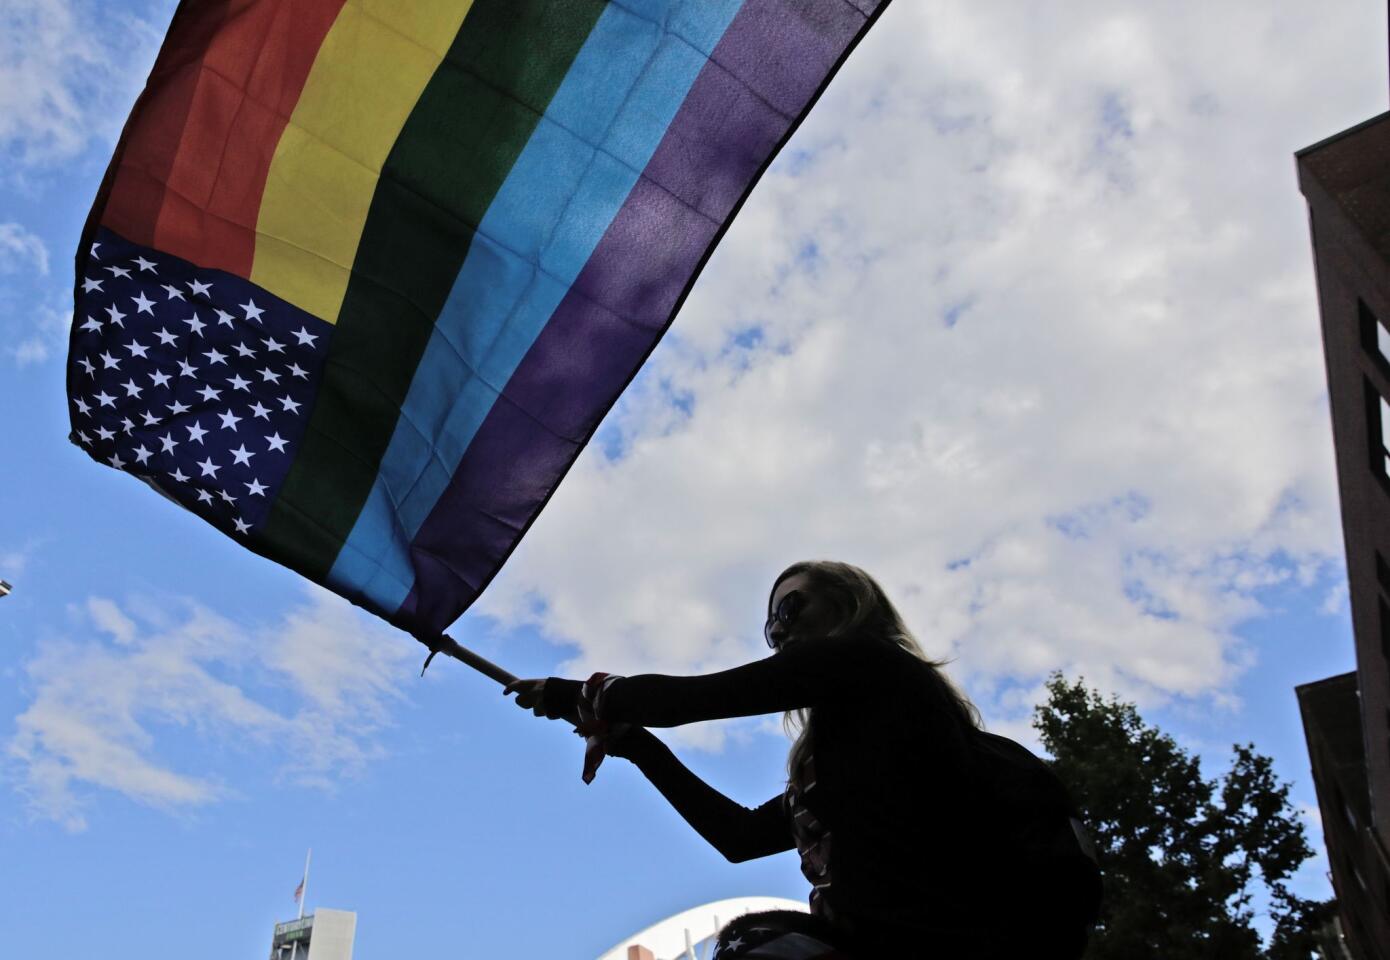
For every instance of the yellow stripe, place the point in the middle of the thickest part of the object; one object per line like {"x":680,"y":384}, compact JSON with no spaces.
{"x":366,"y":78}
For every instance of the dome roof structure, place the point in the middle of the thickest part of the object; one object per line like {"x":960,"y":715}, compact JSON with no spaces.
{"x":684,"y":935}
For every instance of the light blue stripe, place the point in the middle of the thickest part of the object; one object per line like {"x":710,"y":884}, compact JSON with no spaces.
{"x":621,"y":93}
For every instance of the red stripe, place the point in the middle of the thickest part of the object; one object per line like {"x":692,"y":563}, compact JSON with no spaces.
{"x":199,"y":147}
{"x":145,"y":153}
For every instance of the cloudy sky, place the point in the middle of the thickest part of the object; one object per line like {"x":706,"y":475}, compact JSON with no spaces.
{"x":1022,"y":321}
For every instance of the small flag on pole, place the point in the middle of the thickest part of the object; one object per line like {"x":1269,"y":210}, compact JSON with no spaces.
{"x":299,"y":892}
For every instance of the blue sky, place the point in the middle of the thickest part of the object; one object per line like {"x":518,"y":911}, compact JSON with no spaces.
{"x":1023,"y":322}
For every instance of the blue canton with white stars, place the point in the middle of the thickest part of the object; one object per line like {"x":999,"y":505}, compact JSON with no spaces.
{"x":196,"y":381}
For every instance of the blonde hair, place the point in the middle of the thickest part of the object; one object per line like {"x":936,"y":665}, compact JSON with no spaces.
{"x":867,"y":613}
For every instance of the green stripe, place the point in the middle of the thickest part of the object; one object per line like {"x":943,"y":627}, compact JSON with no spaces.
{"x":455,"y":150}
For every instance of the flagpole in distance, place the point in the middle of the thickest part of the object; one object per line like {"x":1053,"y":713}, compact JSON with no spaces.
{"x":304,"y":885}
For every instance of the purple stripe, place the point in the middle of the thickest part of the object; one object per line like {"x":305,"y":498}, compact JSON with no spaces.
{"x":763,"y":76}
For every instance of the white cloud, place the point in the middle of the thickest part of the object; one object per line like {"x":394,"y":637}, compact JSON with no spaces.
{"x":1337,"y":600}
{"x":21,"y":250}
{"x":13,"y":560}
{"x":107,"y":617}
{"x":47,"y":332}
{"x":322,"y":680}
{"x":1036,"y":343}
{"x":69,"y":70}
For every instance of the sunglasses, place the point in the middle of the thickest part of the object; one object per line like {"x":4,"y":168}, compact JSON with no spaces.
{"x":788,"y":609}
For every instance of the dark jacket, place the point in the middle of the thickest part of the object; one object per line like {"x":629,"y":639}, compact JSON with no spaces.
{"x":937,"y":832}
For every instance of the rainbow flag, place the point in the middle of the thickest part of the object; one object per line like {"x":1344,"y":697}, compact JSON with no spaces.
{"x":364,"y":275}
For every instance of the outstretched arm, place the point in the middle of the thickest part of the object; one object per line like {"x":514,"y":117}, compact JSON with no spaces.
{"x":737,"y":832}
{"x":805,"y":674}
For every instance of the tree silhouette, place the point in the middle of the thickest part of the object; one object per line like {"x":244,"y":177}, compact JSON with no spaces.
{"x":1181,"y":855}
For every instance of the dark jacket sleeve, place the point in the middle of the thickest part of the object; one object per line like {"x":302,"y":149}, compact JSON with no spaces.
{"x":734,"y":830}
{"x":805,"y":674}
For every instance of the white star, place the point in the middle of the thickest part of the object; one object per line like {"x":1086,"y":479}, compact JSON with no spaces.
{"x":186,"y":369}
{"x":160,"y":379}
{"x":105,"y":434}
{"x":109,"y":362}
{"x":239,"y":384}
{"x":195,"y":325}
{"x":143,"y":304}
{"x":87,"y":365}
{"x":298,"y":372}
{"x":92,"y":324}
{"x":145,"y":265}
{"x":229,"y":420}
{"x":288,"y":405}
{"x":306,"y":339}
{"x":199,"y":288}
{"x":209,"y":468}
{"x":277,"y":443}
{"x":141,"y":454}
{"x":119,"y":271}
{"x":132,"y":389}
{"x":168,"y":442}
{"x":241,"y":526}
{"x":242,"y":455}
{"x":204,"y":496}
{"x":256,"y":488}
{"x":126,"y":425}
{"x":260,"y":411}
{"x":137,"y":350}
{"x":82,"y":405}
{"x":224,"y":318}
{"x":166,"y":338}
{"x":85,"y":439}
{"x":226,"y":496}
{"x":253,"y":312}
{"x":94,"y":250}
{"x":116,"y":461}
{"x":215,"y":357}
{"x":209,"y":394}
{"x":196,"y":432}
{"x":116,"y":316}
{"x":105,"y":399}
{"x":179,"y":475}
{"x":149,"y":418}
{"x":268,"y":374}
{"x":245,"y":351}
{"x":173,"y":292}
{"x":89,"y":284}
{"x":177,"y":408}
{"x":273,"y":346}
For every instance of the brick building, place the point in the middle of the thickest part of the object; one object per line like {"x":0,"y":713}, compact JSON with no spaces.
{"x":1346,"y":182}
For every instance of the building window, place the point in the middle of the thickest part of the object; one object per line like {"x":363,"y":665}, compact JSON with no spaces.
{"x":1378,"y":422}
{"x":1384,"y":628}
{"x":1375,"y":336}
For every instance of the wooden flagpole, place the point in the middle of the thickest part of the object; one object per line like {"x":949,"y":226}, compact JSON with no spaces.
{"x":447,"y":644}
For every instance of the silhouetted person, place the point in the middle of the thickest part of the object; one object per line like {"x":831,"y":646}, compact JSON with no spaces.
{"x":921,"y":834}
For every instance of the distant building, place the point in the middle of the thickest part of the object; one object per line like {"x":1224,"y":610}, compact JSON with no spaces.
{"x":1332,"y":723}
{"x":1346,"y":181}
{"x":689,"y":935}
{"x":322,"y":935}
